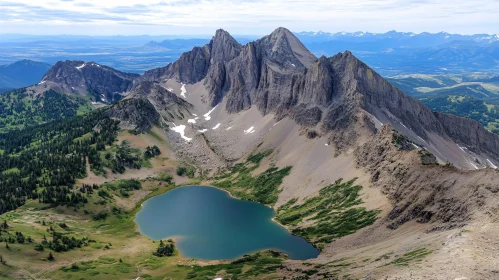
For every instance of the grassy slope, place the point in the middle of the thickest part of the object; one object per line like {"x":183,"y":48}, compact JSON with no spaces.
{"x":120,"y":252}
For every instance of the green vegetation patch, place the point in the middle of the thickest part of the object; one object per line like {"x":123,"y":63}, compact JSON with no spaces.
{"x":413,"y":256}
{"x":19,"y":108}
{"x":44,"y":162}
{"x":121,"y":187}
{"x":186,"y":170}
{"x":262,"y":263}
{"x":333,"y":213}
{"x":467,"y":106}
{"x":262,"y":188}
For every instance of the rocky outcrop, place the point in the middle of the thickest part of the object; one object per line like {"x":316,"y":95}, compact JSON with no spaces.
{"x":134,"y":114}
{"x":306,"y":116}
{"x":469,"y":132}
{"x":149,"y":104}
{"x":104,"y":83}
{"x":443,"y":195}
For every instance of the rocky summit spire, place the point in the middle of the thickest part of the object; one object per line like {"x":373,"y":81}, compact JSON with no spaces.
{"x":283,"y":40}
{"x":224,"y":47}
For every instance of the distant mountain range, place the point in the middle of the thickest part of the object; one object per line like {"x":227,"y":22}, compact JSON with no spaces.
{"x":392,"y":53}
{"x":21,"y":74}
{"x":395,"y":53}
{"x":404,"y":39}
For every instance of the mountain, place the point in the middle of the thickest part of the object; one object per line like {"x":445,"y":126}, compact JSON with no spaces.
{"x":382,"y":186}
{"x":81,"y":78}
{"x":67,"y":89}
{"x":278,"y":75}
{"x":22,"y":73}
{"x":429,"y":174}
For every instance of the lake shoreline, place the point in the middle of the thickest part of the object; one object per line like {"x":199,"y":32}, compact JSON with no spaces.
{"x":294,"y":251}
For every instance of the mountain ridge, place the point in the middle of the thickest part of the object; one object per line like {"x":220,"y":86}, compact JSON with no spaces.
{"x":79,"y":77}
{"x":22,"y":73}
{"x":327,"y":91}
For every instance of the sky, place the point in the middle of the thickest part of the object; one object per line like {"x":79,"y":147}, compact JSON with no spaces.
{"x":258,"y":17}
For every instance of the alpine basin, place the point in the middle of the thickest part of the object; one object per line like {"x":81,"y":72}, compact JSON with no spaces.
{"x":211,"y":225}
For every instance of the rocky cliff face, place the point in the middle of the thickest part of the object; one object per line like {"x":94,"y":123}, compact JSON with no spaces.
{"x":201,"y":62}
{"x":277,"y":74}
{"x":104,"y":83}
{"x":149,"y":104}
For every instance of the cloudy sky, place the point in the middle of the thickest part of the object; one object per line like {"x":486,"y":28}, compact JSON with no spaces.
{"x":160,"y":17}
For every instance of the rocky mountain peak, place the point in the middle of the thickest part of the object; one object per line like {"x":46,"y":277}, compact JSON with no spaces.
{"x":223,"y":47}
{"x":79,"y":77}
{"x":282,"y":40}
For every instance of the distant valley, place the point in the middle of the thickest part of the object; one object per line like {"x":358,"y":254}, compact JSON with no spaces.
{"x":475,"y":96}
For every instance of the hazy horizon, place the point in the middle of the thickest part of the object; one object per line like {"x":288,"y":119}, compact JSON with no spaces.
{"x":209,"y":35}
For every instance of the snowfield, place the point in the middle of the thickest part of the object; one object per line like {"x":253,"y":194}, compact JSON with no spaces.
{"x":181,"y":130}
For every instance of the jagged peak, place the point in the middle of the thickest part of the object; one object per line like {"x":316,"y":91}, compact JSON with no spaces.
{"x":225,"y":37}
{"x":224,"y":47}
{"x":282,"y":38}
{"x":279,"y":31}
{"x":220,"y":33}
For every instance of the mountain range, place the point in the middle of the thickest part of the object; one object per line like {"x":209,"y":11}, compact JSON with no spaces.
{"x":403,"y":39}
{"x":237,"y":115}
{"x":391,"y":53}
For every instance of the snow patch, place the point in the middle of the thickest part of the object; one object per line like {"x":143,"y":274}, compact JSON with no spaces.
{"x":491,"y":164}
{"x":191,"y":120}
{"x":473,"y":165}
{"x":376,"y":120}
{"x":292,"y":64}
{"x":229,"y":128}
{"x":422,"y":139}
{"x":181,"y":130}
{"x":42,"y":82}
{"x":194,"y":115}
{"x":183,"y":91}
{"x":81,"y":66}
{"x":203,"y":130}
{"x":216,"y":126}
{"x":250,"y":130}
{"x":207,"y":115}
{"x":326,"y":144}
{"x":277,"y":123}
{"x":403,"y":125}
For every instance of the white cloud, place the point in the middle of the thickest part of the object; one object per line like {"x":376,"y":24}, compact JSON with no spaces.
{"x":247,"y":17}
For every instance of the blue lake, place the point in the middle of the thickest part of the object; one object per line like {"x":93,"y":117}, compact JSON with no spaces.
{"x":210,"y":225}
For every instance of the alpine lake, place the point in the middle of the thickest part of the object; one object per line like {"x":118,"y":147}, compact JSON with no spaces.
{"x":209,"y":224}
